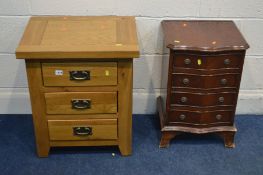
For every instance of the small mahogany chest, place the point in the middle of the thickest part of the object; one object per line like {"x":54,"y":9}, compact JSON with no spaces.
{"x":205,"y":67}
{"x":80,"y":80}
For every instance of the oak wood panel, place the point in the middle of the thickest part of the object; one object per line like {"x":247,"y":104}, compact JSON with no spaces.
{"x":81,"y":117}
{"x":79,"y":37}
{"x":79,"y":89}
{"x":125,"y":77}
{"x":62,"y":143}
{"x":101,"y":102}
{"x":101,"y":129}
{"x":101,"y":73}
{"x":38,"y":107}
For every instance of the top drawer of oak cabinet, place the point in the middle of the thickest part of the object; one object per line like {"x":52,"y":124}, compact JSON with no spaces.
{"x":79,"y":74}
{"x":221,"y":61}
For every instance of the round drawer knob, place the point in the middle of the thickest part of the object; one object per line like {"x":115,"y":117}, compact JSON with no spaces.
{"x":218,"y":116}
{"x":182,"y":117}
{"x":183,"y":99}
{"x":223,"y":81}
{"x":187,"y":61}
{"x":227,"y":61}
{"x":221,"y":99}
{"x":186,"y":81}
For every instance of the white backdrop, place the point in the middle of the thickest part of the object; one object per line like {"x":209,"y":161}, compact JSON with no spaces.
{"x":148,"y":83}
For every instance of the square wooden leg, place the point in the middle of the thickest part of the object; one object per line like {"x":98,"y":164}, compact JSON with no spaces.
{"x":125,"y":106}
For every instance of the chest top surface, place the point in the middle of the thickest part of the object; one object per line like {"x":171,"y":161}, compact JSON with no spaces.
{"x":79,"y":37}
{"x":209,"y":36}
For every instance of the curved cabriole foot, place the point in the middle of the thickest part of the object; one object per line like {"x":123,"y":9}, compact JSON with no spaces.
{"x":165,"y":140}
{"x":228,"y":138}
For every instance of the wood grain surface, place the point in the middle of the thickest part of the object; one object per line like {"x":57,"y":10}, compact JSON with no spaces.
{"x":79,"y":37}
{"x":101,"y":73}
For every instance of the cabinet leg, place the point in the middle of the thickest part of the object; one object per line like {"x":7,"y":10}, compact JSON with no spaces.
{"x":125,"y":106}
{"x":43,"y":151}
{"x":228,"y":138}
{"x":125,"y":150}
{"x":166,"y":137}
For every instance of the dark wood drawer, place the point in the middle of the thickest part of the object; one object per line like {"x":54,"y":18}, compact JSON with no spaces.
{"x":196,"y":61}
{"x":187,"y":117}
{"x":225,"y":80}
{"x":200,"y":99}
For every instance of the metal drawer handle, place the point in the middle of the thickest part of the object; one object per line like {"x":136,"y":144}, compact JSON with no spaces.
{"x":221,"y":99}
{"x":186,"y":81}
{"x":218,"y":116}
{"x":82,"y":131}
{"x":187,"y":61}
{"x":79,"y":75}
{"x":182,"y":116}
{"x":227,"y":61}
{"x":223,"y":81}
{"x":184,"y":99}
{"x":80,"y":104}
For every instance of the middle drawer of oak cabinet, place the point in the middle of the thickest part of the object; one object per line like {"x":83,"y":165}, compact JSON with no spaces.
{"x":81,"y":102}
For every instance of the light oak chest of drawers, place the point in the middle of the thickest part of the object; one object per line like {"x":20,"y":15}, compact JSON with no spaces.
{"x":205,"y":67}
{"x":80,"y":80}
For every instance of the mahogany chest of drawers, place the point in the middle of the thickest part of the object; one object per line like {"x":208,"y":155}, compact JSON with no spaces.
{"x":205,"y":67}
{"x":80,"y":80}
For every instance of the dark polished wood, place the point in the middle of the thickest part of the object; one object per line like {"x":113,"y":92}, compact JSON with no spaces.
{"x":202,"y":35}
{"x":205,"y":69}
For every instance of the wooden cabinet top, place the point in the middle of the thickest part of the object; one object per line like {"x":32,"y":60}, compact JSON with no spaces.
{"x":210,"y":36}
{"x":79,"y":37}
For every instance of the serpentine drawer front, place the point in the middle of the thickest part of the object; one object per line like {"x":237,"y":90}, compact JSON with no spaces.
{"x":80,"y":80}
{"x":204,"y":73}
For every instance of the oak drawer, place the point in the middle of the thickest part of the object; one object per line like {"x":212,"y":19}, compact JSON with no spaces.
{"x":225,"y":80}
{"x":79,"y":74}
{"x":200,"y":117}
{"x":81,"y":102}
{"x":203,"y":99}
{"x":196,"y":61}
{"x":93,"y":129}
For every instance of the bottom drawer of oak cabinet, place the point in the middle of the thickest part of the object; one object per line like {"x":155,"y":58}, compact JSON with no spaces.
{"x":200,"y":117}
{"x":90,"y":129}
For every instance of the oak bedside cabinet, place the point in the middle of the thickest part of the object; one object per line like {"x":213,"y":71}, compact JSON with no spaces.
{"x":205,"y":67}
{"x":80,"y":73}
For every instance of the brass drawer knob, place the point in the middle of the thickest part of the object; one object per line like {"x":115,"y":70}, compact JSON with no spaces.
{"x":182,"y":117}
{"x":227,"y":61}
{"x":187,"y":61}
{"x":186,"y":81}
{"x":223,"y":81}
{"x":221,"y":99}
{"x":218,"y":116}
{"x":184,"y":99}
